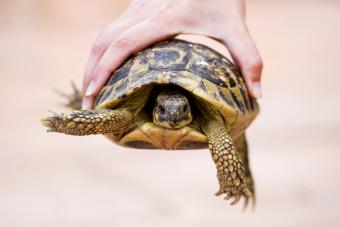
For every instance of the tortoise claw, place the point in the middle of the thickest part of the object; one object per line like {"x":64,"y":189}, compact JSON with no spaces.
{"x":74,"y":87}
{"x":73,"y":100}
{"x":55,"y":114}
{"x":50,"y":130}
{"x":245,"y":204}
{"x":48,"y":122}
{"x":253,"y":202}
{"x":249,"y":197}
{"x":220,"y":192}
{"x":237,"y":198}
{"x":228,"y":196}
{"x":247,"y":192}
{"x":62,"y":94}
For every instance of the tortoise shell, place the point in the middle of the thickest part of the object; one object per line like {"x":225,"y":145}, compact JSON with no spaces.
{"x":196,"y":68}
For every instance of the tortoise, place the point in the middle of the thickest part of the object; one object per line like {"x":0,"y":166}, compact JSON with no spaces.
{"x":177,"y":95}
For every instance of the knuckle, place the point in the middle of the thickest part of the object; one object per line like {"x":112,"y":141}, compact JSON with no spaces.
{"x":165,"y":16}
{"x":98,"y":47}
{"x":121,"y":42}
{"x":166,"y":22}
{"x":160,"y":18}
{"x":188,"y":22}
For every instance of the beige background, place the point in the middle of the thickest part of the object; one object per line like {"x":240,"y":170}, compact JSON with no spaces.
{"x":56,"y":180}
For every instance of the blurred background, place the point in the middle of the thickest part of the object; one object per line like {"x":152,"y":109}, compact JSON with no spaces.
{"x":56,"y":180}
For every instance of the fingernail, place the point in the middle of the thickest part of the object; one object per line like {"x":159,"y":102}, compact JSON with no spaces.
{"x":86,"y":104}
{"x":256,"y":88}
{"x":90,"y":89}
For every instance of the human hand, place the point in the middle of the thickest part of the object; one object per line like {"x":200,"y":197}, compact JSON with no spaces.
{"x":148,"y":21}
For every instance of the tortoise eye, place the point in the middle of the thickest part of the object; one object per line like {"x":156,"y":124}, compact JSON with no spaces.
{"x":162,"y":110}
{"x":185,"y":108}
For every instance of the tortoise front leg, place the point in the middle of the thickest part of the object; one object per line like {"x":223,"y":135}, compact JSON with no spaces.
{"x":88,"y":122}
{"x":230,"y":169}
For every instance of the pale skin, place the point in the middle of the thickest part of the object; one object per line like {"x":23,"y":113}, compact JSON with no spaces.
{"x":148,"y":21}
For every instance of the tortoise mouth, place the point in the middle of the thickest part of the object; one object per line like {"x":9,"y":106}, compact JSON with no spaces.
{"x":172,"y":122}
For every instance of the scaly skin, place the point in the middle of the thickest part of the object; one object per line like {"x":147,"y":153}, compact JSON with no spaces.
{"x":88,"y":122}
{"x":242,"y":149}
{"x":230,"y":169}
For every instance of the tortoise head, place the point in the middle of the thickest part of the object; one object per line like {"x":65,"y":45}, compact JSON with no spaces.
{"x":172,"y":110}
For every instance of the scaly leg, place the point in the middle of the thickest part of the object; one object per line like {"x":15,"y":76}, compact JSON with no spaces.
{"x":230,"y":169}
{"x":88,"y":122}
{"x":242,"y":148}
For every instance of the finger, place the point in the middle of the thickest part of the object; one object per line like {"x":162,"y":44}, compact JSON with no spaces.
{"x":88,"y":102}
{"x":100,"y":45}
{"x":247,"y":57}
{"x":133,"y":40}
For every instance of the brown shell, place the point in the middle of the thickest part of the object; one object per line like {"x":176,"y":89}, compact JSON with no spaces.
{"x":194,"y":67}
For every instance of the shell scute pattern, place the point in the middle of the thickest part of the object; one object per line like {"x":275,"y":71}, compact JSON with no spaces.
{"x":169,"y":59}
{"x":212,"y":67}
{"x":166,"y":57}
{"x":194,"y":67}
{"x":222,"y":95}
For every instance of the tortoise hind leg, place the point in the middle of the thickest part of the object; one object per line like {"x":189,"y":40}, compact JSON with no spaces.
{"x":230,"y":168}
{"x":74,"y":100}
{"x":242,"y":148}
{"x":88,"y":122}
